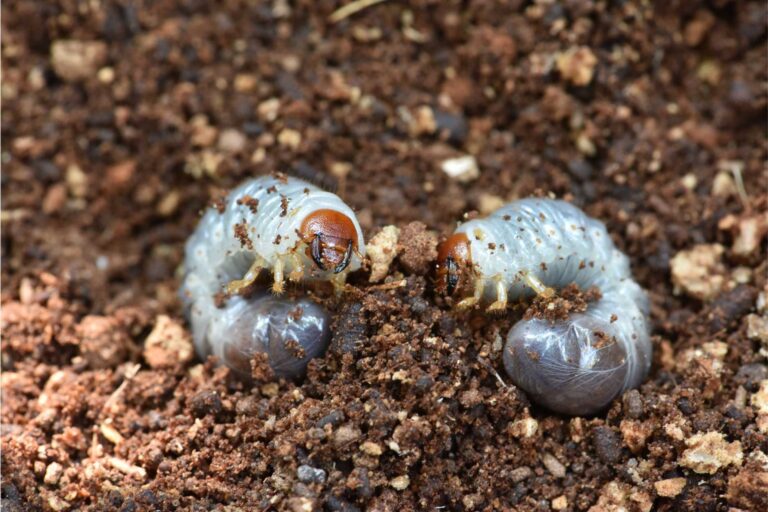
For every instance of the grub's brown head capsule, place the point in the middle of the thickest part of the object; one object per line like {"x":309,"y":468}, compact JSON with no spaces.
{"x":331,"y":239}
{"x":454,"y":262}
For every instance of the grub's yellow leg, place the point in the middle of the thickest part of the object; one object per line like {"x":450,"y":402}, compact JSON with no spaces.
{"x":238,"y":285}
{"x":339,"y":281}
{"x":537,"y":286}
{"x":279,"y":278}
{"x":501,"y":296}
{"x":475,"y":298}
{"x":297,"y":272}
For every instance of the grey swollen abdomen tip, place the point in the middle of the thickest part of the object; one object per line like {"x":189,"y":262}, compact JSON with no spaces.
{"x":573,"y":367}
{"x":290,"y":332}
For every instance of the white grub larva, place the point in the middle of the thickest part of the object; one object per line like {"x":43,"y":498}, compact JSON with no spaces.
{"x":530,"y":247}
{"x":275,"y":223}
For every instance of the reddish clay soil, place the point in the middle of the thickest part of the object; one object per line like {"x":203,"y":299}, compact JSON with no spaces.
{"x":122,"y":121}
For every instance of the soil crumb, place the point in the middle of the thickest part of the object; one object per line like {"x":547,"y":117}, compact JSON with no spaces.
{"x":562,"y":304}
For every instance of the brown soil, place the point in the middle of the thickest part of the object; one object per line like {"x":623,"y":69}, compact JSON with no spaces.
{"x":114,"y":145}
{"x":561,"y":304}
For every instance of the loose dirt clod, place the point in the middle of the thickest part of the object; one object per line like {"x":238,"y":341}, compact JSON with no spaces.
{"x":618,"y":496}
{"x":103,"y":341}
{"x":699,"y":272}
{"x":553,"y":465}
{"x":77,"y":60}
{"x":709,"y":452}
{"x":670,"y":487}
{"x":381,"y":251}
{"x":749,"y":488}
{"x":577,"y":65}
{"x":462,"y":169}
{"x":418,"y":249}
{"x":526,"y":427}
{"x":168,"y":344}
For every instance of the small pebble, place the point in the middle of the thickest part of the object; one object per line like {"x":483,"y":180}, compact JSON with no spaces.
{"x":345,"y":435}
{"x":731,"y":306}
{"x":381,"y":250}
{"x":560,"y":503}
{"x":759,"y":400}
{"x":553,"y":465}
{"x":301,"y":504}
{"x":104,"y":343}
{"x":120,"y":175}
{"x":699,"y":272}
{"x":423,"y":384}
{"x":268,"y":109}
{"x":245,"y":82}
{"x":106,"y":75}
{"x":57,"y":504}
{"x":310,"y":475}
{"x":633,"y":404}
{"x":55,"y":199}
{"x":334,"y":418}
{"x":462,"y":169}
{"x":53,"y":473}
{"x":231,"y":141}
{"x":203,"y":134}
{"x":581,"y":169}
{"x":422,"y":121}
{"x":420,"y":251}
{"x":46,"y":170}
{"x":289,"y":138}
{"x":77,"y":181}
{"x":607,"y":444}
{"x":670,"y":487}
{"x":169,"y":203}
{"x":577,"y":65}
{"x":400,"y":482}
{"x":751,"y":375}
{"x":75,"y":60}
{"x":698,"y":28}
{"x":360,"y":481}
{"x":709,"y":452}
{"x":519,"y":474}
{"x":205,"y":403}
{"x":371,"y":448}
{"x":750,"y":233}
{"x":524,"y":428}
{"x":723,"y":185}
{"x":168,"y":344}
{"x":335,"y":504}
{"x":450,"y":126}
{"x":757,"y":328}
{"x":489,"y":203}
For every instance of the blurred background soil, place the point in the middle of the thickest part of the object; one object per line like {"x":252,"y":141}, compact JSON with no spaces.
{"x":123,"y":121}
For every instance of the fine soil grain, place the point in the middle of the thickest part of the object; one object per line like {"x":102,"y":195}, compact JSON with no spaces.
{"x":122,"y":121}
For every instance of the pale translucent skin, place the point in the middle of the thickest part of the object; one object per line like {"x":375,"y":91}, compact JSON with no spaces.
{"x":268,"y":324}
{"x":579,"y":365}
{"x":215,"y":257}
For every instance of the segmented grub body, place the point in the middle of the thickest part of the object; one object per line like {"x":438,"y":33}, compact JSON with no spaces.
{"x":280,"y":224}
{"x":529,"y":247}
